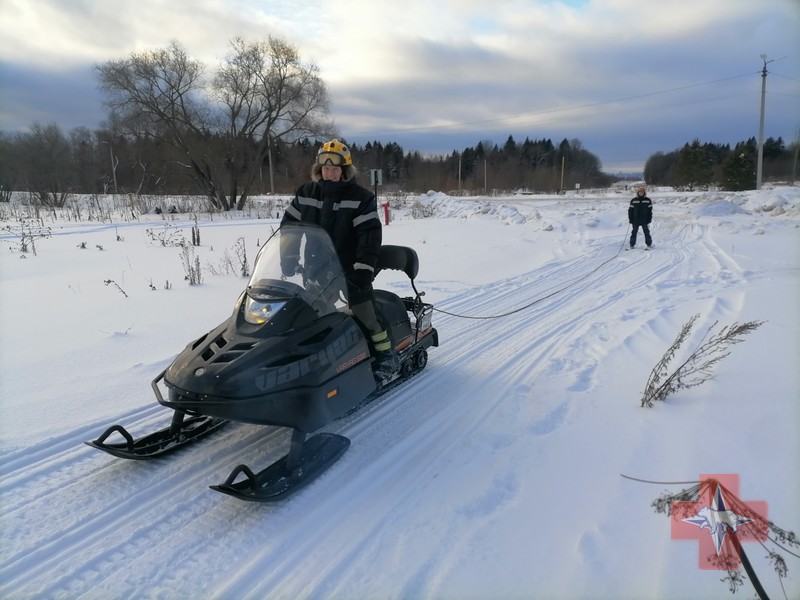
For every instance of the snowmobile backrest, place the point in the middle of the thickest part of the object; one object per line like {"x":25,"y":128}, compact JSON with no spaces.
{"x":398,"y":258}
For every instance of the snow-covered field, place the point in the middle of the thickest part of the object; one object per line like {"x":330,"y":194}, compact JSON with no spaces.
{"x":495,"y":473}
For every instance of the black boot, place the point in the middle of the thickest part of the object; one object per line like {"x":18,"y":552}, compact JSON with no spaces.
{"x":386,"y":362}
{"x":385,"y":366}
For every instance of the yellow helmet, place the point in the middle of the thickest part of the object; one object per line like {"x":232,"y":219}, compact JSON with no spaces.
{"x":334,"y":153}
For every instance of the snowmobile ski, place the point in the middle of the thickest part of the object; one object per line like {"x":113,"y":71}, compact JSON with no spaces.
{"x":164,"y":441}
{"x":309,"y":458}
{"x":306,"y":460}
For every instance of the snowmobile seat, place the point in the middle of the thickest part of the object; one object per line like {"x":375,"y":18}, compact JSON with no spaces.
{"x":398,"y":258}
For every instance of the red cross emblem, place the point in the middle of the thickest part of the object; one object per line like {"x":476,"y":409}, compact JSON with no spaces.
{"x":719,"y":521}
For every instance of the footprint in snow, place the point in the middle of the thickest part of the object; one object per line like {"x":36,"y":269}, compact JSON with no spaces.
{"x":496,"y":495}
{"x":551,"y":421}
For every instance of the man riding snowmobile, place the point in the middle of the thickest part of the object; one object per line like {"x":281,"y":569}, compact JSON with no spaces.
{"x":290,"y":355}
{"x":349,"y":213}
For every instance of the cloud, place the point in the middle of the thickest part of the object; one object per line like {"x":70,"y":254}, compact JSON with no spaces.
{"x":621,"y":75}
{"x":68,"y":98}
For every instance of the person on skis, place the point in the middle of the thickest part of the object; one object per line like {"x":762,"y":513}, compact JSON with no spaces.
{"x":349,"y":213}
{"x":640,"y":214}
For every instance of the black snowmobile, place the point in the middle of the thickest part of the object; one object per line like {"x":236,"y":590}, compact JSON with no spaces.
{"x":291,"y":355}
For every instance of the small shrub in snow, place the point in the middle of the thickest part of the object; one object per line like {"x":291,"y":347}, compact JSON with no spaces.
{"x":699,"y":367}
{"x":191,"y":266}
{"x":195,"y":233}
{"x":168,"y":236}
{"x":27,"y":232}
{"x":227,"y":265}
{"x":421,"y":211}
{"x":241,"y":254}
{"x":111,"y":281}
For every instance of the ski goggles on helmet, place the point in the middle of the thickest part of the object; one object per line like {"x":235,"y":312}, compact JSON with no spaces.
{"x":333,"y":159}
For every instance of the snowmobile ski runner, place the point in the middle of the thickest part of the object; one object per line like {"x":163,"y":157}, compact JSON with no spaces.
{"x":180,"y":433}
{"x":291,"y":355}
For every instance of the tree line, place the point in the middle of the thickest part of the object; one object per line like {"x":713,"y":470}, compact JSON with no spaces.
{"x":699,"y":165}
{"x":250,"y":127}
{"x":51,"y":165}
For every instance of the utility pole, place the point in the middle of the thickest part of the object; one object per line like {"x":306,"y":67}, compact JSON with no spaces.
{"x":760,"y":165}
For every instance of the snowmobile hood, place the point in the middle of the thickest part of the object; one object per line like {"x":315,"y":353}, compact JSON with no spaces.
{"x":290,"y":335}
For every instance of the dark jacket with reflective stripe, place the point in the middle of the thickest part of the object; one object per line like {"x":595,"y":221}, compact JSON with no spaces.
{"x":347,"y":211}
{"x":640,"y":212}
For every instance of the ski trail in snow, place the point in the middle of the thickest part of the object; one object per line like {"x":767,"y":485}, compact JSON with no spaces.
{"x":93,"y":535}
{"x":28,"y":460}
{"x":416,"y":437}
{"x":485,"y":388}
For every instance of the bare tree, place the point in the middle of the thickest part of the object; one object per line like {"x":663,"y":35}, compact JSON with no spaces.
{"x":46,"y":164}
{"x":223,"y":126}
{"x":159,"y":92}
{"x":268,"y":94}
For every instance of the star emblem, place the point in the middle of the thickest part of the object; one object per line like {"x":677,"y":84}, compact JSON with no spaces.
{"x":718,"y":512}
{"x":717,"y":519}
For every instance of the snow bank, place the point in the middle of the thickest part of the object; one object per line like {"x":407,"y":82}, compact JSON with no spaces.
{"x":720,"y":208}
{"x":437,"y":204}
{"x":775,"y":201}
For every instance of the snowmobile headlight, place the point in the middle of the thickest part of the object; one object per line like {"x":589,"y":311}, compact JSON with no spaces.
{"x":258,"y":312}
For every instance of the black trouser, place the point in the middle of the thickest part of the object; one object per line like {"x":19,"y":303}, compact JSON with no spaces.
{"x":362,"y":303}
{"x":635,"y":229}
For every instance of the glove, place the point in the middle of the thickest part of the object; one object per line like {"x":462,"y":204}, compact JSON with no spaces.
{"x":361,"y":278}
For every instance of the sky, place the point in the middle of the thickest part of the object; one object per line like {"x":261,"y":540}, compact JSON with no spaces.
{"x":627,"y":78}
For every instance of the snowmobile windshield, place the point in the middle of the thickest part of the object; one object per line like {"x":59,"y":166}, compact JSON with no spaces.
{"x":299,"y":261}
